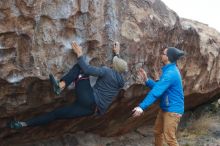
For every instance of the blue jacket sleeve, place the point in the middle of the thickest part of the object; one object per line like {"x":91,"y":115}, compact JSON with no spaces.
{"x":150,"y":83}
{"x":91,"y":70}
{"x":159,"y":88}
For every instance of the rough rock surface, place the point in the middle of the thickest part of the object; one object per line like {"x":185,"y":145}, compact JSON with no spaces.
{"x":35,"y":40}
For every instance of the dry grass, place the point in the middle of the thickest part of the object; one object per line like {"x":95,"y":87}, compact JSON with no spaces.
{"x":201,"y":126}
{"x":198,"y":127}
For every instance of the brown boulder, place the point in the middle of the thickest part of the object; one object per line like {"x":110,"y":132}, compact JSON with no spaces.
{"x":35,"y":39}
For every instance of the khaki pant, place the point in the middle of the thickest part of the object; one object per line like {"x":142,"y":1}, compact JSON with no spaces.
{"x":165,"y":128}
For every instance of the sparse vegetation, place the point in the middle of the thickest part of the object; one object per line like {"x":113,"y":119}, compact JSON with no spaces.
{"x":200,"y":126}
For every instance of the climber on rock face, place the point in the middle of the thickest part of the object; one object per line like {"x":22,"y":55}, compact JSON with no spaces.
{"x":89,"y":99}
{"x":169,"y":90}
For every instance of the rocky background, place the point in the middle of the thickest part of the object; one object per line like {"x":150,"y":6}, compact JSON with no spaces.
{"x":35,"y":37}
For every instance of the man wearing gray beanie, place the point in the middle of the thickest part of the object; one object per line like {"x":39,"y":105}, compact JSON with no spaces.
{"x":169,"y":90}
{"x":174,"y":54}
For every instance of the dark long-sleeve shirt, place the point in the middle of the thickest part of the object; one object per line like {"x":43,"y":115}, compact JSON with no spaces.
{"x":107,"y":86}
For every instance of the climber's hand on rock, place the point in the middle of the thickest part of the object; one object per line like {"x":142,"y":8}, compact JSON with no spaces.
{"x":77,"y":49}
{"x":116,"y":48}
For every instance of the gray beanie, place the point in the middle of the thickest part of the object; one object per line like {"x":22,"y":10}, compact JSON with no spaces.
{"x":119,"y":64}
{"x":174,"y":54}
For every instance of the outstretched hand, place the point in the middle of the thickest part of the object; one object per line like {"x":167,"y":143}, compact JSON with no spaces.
{"x":141,"y":76}
{"x":137,"y":111}
{"x":77,"y":49}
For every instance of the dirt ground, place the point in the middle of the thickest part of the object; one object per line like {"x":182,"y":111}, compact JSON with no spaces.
{"x":199,"y":127}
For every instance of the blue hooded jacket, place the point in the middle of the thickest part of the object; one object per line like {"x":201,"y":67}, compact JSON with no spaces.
{"x":168,"y":89}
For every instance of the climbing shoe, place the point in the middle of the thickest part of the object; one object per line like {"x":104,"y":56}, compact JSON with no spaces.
{"x":14,"y":124}
{"x":55,"y":84}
